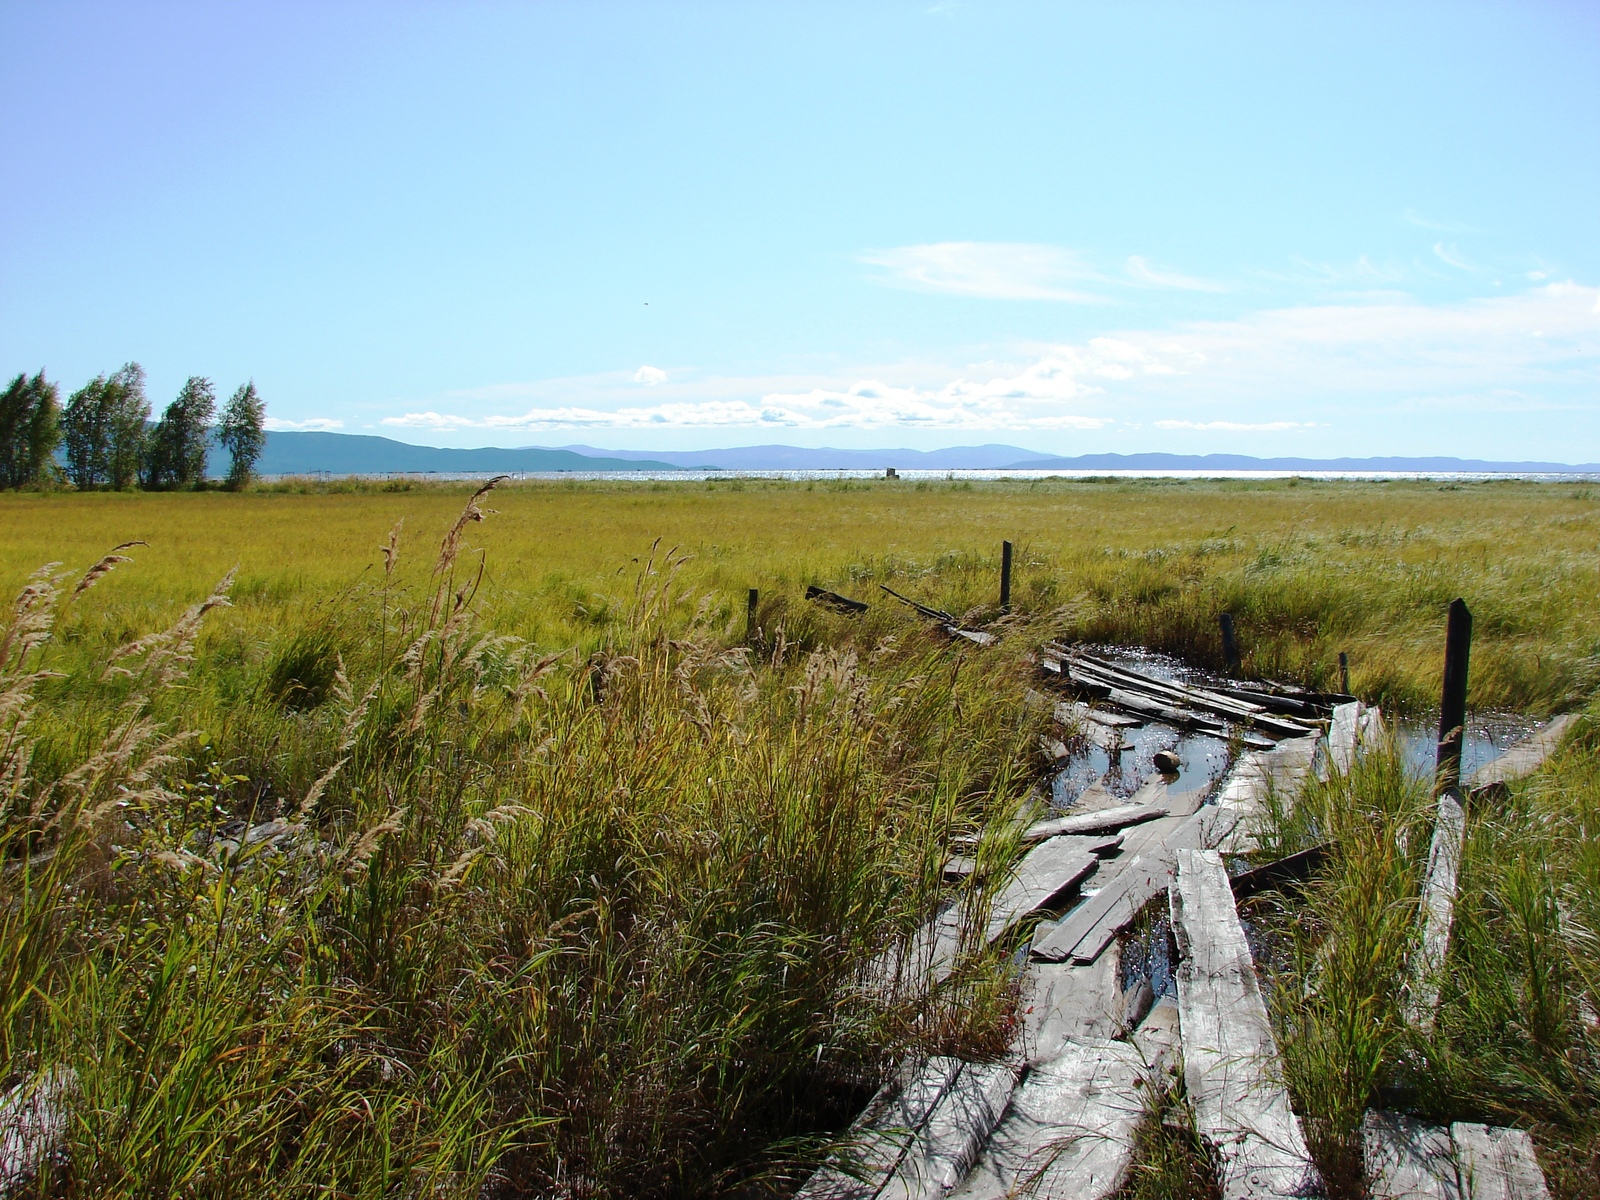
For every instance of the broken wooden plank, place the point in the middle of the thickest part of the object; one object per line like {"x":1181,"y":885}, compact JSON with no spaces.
{"x":1077,"y":712}
{"x":978,"y":637}
{"x":1231,"y":1062}
{"x":933,"y":614}
{"x":1044,"y":873}
{"x":865,"y":1157}
{"x":1407,"y":1160}
{"x":1228,"y":708}
{"x":1104,"y":820}
{"x":942,"y":1152}
{"x":1069,"y":1130}
{"x":1523,"y":759}
{"x":1497,"y":1163}
{"x":1344,"y":731}
{"x":1291,"y":869}
{"x":841,"y":604}
{"x":1141,"y":874}
{"x":1062,"y":1003}
{"x":1438,"y":911}
{"x":1258,"y":779}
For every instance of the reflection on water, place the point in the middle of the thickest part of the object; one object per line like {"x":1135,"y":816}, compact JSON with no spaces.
{"x":1488,"y":736}
{"x":1203,"y":756}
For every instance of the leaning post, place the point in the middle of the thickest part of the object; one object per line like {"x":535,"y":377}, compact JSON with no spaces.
{"x":1230,"y":643}
{"x":750,"y":630}
{"x":1453,"y":701}
{"x":1344,"y":672}
{"x":1005,"y":575}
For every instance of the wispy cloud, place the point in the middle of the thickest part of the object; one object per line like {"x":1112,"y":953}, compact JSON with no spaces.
{"x":1451,"y":257}
{"x":649,"y":376}
{"x":1237,"y":426}
{"x":1140,"y":269}
{"x":431,"y":420}
{"x":1412,"y":217}
{"x":993,"y":270}
{"x":311,"y":425}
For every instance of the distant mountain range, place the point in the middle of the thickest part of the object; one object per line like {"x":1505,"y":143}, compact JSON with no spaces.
{"x":361,"y":454}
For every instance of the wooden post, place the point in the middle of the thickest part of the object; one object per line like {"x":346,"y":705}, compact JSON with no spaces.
{"x":1005,"y":575}
{"x":1453,"y":701}
{"x":1230,"y":644}
{"x":1344,"y":672}
{"x":750,"y":629}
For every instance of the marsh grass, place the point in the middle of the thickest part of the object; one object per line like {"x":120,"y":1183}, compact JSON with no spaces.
{"x":1514,"y":1042}
{"x":472,"y":917}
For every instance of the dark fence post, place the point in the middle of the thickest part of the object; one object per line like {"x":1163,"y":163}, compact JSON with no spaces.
{"x":1344,"y":672}
{"x":1453,"y":701}
{"x":750,"y":629}
{"x":1005,"y":575}
{"x":1230,"y":643}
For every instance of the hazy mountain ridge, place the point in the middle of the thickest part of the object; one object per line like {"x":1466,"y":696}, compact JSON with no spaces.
{"x":293,"y":453}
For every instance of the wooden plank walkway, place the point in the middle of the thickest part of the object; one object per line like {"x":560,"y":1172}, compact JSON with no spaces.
{"x":1068,"y":1133}
{"x":1231,"y":1063}
{"x":1523,"y":759}
{"x":1497,"y":1164}
{"x":1438,"y":911}
{"x":1407,"y":1160}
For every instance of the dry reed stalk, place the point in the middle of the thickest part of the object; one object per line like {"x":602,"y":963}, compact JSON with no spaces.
{"x":357,"y":855}
{"x":105,"y":566}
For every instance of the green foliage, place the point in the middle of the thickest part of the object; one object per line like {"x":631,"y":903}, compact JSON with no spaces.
{"x":30,"y":430}
{"x":176,"y":449}
{"x":243,"y":433}
{"x":103,"y":430}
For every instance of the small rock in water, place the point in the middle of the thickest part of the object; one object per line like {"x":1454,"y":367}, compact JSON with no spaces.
{"x":1166,"y":762}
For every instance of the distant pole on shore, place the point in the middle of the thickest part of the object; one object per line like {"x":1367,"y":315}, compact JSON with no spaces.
{"x":1344,"y":672}
{"x":1453,"y":701}
{"x":1005,"y":576}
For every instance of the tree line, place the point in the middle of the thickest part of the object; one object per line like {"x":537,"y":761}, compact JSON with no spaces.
{"x":104,"y":436}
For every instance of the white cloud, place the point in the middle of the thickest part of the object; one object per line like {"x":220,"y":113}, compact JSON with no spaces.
{"x":1270,"y":371}
{"x":431,"y":420}
{"x":1421,"y":222}
{"x":1237,"y":426}
{"x":649,"y":376}
{"x":1450,"y":256}
{"x":312,"y":425}
{"x":1140,"y":269}
{"x":994,"y":270}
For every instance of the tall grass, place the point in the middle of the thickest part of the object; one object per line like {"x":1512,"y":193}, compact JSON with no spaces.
{"x":402,"y":906}
{"x":1516,"y":1041}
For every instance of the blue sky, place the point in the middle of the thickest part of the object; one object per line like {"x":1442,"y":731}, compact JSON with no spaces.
{"x":1263,"y":228}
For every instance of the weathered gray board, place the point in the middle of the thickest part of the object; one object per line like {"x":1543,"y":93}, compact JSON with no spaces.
{"x":1344,"y":734}
{"x":944,"y":1149}
{"x":1068,"y":1133}
{"x":1145,"y":873}
{"x":1101,"y":821}
{"x":1045,"y":872}
{"x":1257,"y":779}
{"x":1407,"y":1160}
{"x":1497,"y":1164}
{"x":1524,"y":758}
{"x":1438,"y":910}
{"x":872,"y":1149}
{"x":1231,"y":1063}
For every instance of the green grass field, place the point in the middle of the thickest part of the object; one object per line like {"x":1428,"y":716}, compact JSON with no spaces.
{"x":572,"y":893}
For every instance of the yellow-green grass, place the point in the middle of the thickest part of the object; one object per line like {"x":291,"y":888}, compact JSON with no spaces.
{"x":1309,"y":567}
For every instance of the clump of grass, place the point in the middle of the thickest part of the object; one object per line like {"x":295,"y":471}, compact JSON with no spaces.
{"x":1170,"y":1160}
